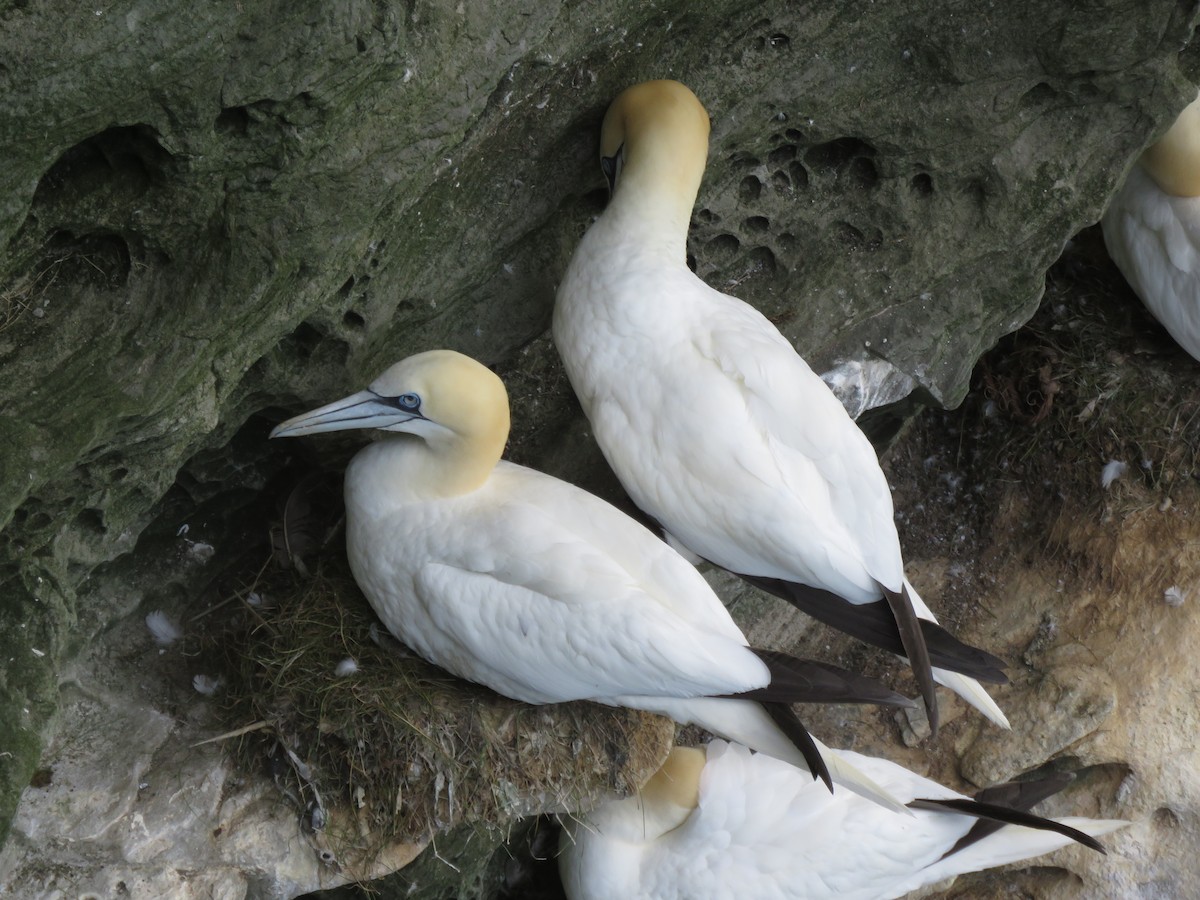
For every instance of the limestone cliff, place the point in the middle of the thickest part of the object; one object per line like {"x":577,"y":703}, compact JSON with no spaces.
{"x":213,"y":213}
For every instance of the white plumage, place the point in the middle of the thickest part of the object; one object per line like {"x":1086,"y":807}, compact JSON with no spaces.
{"x":524,"y":583}
{"x":722,"y":822}
{"x":1152,"y":229}
{"x":712,"y":422}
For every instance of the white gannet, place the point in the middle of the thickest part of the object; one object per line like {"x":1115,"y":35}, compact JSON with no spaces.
{"x":541,"y":591}
{"x":1152,"y":229}
{"x":715,"y":426}
{"x":721,"y":822}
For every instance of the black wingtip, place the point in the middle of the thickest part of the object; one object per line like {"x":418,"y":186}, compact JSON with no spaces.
{"x":875,"y":624}
{"x":789,"y":723}
{"x":914,"y":648}
{"x":797,"y":680}
{"x":1023,"y":795}
{"x":1006,"y":816}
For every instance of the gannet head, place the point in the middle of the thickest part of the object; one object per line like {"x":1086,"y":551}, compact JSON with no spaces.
{"x":654,"y":143}
{"x":444,"y":397}
{"x":662,"y":805}
{"x":677,"y":783}
{"x":1174,"y":160}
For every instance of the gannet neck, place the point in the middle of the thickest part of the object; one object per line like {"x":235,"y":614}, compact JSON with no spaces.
{"x":657,"y":134}
{"x":1174,"y":161}
{"x":401,"y":469}
{"x":662,"y":805}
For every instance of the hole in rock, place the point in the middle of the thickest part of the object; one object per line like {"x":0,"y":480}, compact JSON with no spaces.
{"x":723,"y":245}
{"x":837,"y":154}
{"x":131,"y":155}
{"x":750,"y":189}
{"x":233,"y":120}
{"x":781,"y":155}
{"x":763,"y":260}
{"x":101,"y":260}
{"x":799,"y":175}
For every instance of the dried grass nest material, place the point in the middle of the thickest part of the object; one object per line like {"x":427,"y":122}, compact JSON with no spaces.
{"x":1090,"y":379}
{"x":398,"y":750}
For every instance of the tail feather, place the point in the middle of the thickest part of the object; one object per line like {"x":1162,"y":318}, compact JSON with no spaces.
{"x":972,"y":691}
{"x":1012,"y":843}
{"x":855,"y":780}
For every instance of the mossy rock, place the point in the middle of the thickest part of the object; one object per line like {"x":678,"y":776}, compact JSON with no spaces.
{"x":209,"y":215}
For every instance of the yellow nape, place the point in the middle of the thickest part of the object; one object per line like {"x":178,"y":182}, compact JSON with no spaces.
{"x":1174,"y":161}
{"x":463,"y":396}
{"x":650,"y":105}
{"x":663,"y":130}
{"x":678,"y":781}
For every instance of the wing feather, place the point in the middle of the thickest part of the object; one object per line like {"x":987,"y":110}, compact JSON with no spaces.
{"x":553,"y":595}
{"x":820,"y":454}
{"x":1153,"y":239}
{"x":739,"y":450}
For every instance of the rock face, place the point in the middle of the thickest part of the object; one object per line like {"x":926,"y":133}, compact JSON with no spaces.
{"x":209,"y":215}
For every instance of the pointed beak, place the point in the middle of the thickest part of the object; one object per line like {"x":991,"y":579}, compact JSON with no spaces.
{"x":366,"y":409}
{"x":611,"y":167}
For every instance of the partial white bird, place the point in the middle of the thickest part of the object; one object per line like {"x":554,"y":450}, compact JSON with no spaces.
{"x":515,"y":580}
{"x":1152,"y":229}
{"x":715,"y":426}
{"x":721,"y":822}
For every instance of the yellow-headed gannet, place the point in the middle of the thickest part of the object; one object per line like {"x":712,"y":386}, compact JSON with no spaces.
{"x":1152,"y":229}
{"x":713,"y":423}
{"x":541,"y":591}
{"x":721,"y":822}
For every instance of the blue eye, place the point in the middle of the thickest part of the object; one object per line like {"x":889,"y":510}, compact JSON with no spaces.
{"x":408,"y":402}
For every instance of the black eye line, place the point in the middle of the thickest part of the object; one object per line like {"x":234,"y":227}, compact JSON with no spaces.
{"x":400,"y":404}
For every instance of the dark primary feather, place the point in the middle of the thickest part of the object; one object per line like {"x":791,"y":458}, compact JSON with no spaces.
{"x":874,"y":623}
{"x":1015,"y":795}
{"x":796,"y":680}
{"x":789,"y":723}
{"x":1005,"y":815}
{"x":913,"y":640}
{"x":1025,"y":794}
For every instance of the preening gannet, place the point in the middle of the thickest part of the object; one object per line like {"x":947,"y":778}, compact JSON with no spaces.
{"x":721,"y":822}
{"x":1152,"y":229}
{"x":541,"y":591}
{"x":713,"y":423}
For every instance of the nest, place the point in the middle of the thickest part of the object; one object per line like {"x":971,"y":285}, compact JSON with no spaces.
{"x":1092,"y":409}
{"x":376,"y":747}
{"x":1092,"y":377}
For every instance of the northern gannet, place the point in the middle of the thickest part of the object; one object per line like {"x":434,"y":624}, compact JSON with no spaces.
{"x":712,"y":422}
{"x":722,"y":822}
{"x":541,"y":591}
{"x":1152,"y":229}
